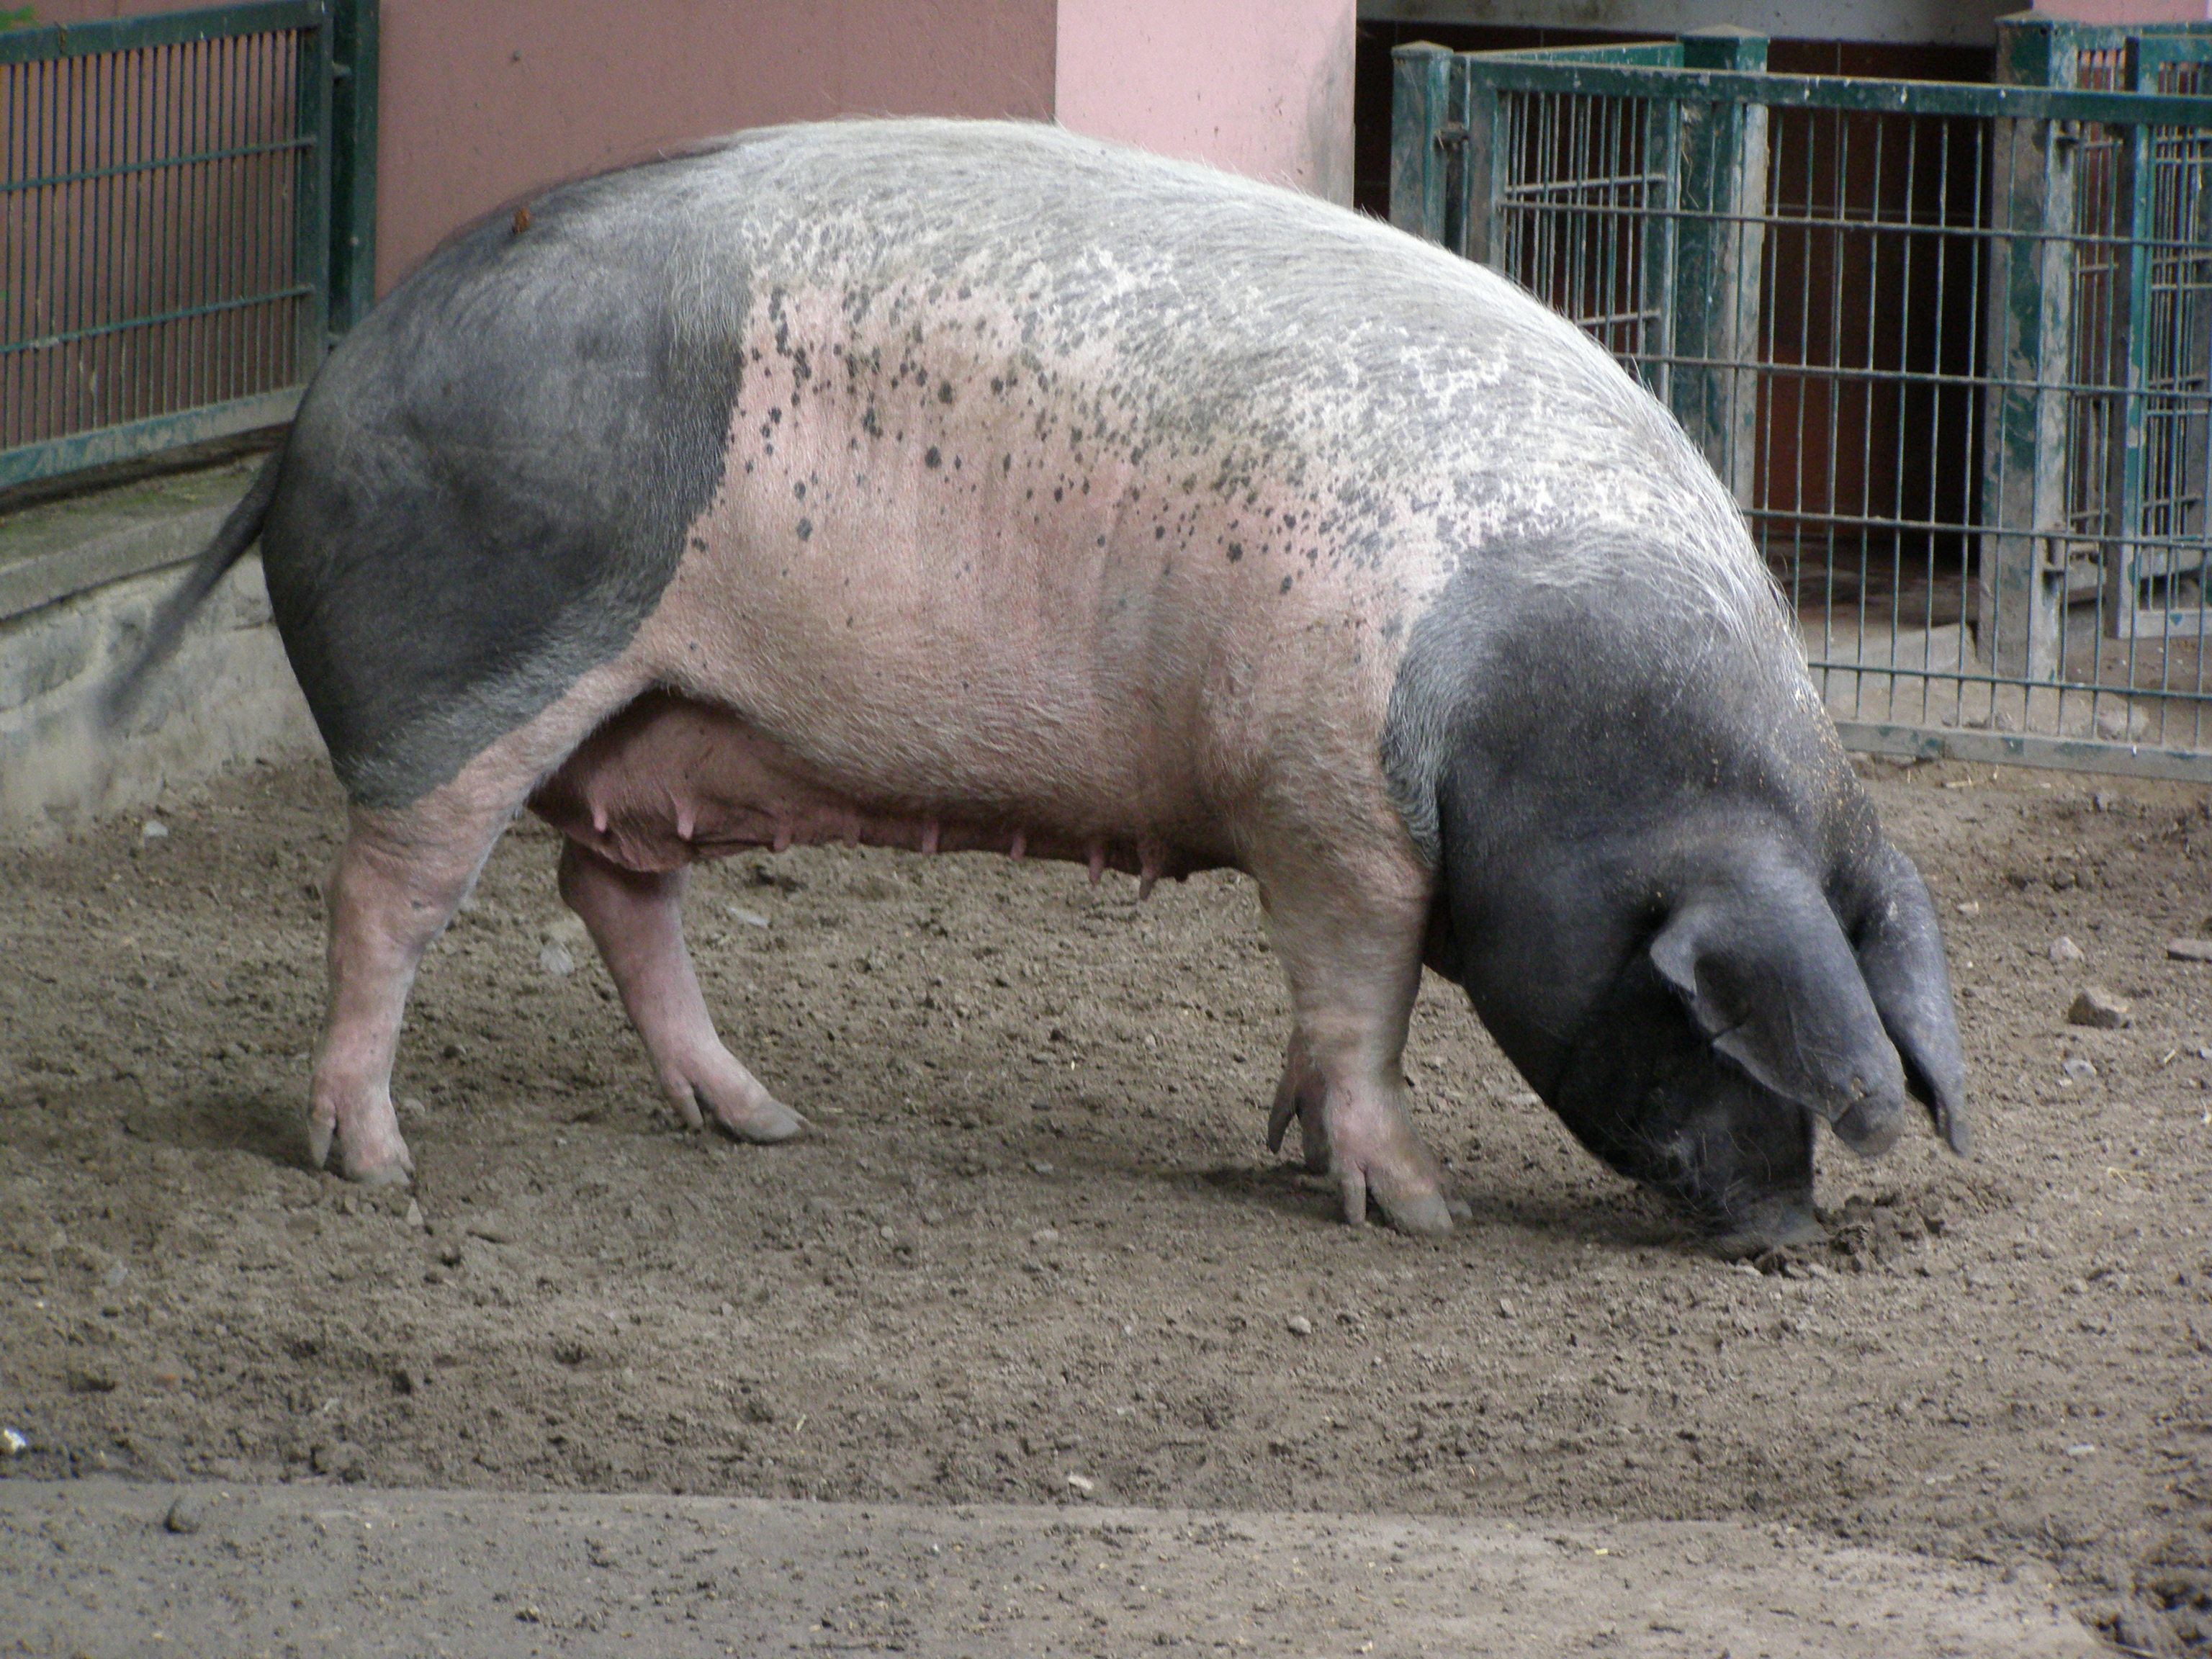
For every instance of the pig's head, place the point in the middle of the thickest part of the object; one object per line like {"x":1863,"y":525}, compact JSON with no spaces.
{"x":1693,"y":1016}
{"x":1670,"y":902}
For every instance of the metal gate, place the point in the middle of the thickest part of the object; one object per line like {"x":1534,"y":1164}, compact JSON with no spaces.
{"x":186,"y":219}
{"x":1949,"y":345}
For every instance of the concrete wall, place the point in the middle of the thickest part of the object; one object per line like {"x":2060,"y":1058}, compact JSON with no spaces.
{"x":79,"y":581}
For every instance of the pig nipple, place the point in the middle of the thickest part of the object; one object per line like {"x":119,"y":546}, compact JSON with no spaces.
{"x":1020,"y":845}
{"x":1097,"y":862}
{"x":599,"y":817}
{"x":683,"y":823}
{"x":930,"y":831}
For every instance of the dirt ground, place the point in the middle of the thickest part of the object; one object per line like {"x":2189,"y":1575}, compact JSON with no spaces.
{"x":1037,"y":1253}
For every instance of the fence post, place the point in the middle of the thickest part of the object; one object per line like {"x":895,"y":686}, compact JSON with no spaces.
{"x":311,"y":202}
{"x":354,"y":50}
{"x":1720,"y":200}
{"x":1420,"y":157}
{"x":2021,"y":596}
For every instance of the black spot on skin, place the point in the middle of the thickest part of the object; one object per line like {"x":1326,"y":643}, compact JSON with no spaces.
{"x":1005,"y":464}
{"x":806,"y":530}
{"x":945,"y":392}
{"x":799,"y":489}
{"x":1159,"y":532}
{"x":1287,"y":580}
{"x":930,"y":458}
{"x":1057,"y":492}
{"x":1236,"y":551}
{"x":699,"y":544}
{"x":998,"y":384}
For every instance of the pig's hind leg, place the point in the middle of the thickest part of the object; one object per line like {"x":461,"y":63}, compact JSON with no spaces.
{"x":399,"y":879}
{"x":637,"y":918}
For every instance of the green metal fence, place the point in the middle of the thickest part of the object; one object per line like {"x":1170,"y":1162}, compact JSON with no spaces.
{"x":186,"y":219}
{"x":1949,"y":345}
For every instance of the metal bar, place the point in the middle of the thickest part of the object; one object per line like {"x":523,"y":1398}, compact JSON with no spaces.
{"x":90,"y":40}
{"x":2027,"y":749}
{"x":312,"y":222}
{"x":194,"y":159}
{"x":1718,"y":246}
{"x":1843,"y":93}
{"x":1421,"y":108}
{"x":355,"y":45}
{"x":133,"y":439}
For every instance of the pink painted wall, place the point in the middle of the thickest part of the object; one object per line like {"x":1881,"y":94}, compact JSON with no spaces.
{"x":527,"y":93}
{"x":1261,"y":87}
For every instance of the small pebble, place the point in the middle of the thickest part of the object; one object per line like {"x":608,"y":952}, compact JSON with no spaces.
{"x":1505,"y":1307}
{"x":153,"y":830}
{"x":1082,"y":1484}
{"x":2064,"y":949}
{"x":1970,"y":908}
{"x":2080,"y":1066}
{"x":739,"y":913}
{"x":2084,"y":1449}
{"x":2099,"y":1009}
{"x":1045,"y":1236}
{"x":13,"y":1443}
{"x":2189,"y":949}
{"x":1298,"y":1325}
{"x":414,"y":1214}
{"x":556,"y":960}
{"x":184,"y":1517}
{"x":1041,"y":1167}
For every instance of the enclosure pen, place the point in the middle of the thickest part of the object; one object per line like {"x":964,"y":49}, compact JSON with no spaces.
{"x":184,"y":203}
{"x":1948,"y":344}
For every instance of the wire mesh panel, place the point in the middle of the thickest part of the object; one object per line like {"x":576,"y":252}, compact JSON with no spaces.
{"x":166,"y":251}
{"x":1579,"y":215}
{"x":1948,"y":345}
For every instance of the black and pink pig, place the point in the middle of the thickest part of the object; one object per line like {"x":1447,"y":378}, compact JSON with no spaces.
{"x":958,"y":486}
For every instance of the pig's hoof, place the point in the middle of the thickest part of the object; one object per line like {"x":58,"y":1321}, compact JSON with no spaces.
{"x":714,"y":1089}
{"x":1413,"y":1206}
{"x":764,"y":1122}
{"x":385,"y":1163}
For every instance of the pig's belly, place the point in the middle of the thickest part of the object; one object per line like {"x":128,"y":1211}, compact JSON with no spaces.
{"x":671,"y":779}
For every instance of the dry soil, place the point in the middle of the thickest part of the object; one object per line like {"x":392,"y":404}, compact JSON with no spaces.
{"x":1037,"y":1253}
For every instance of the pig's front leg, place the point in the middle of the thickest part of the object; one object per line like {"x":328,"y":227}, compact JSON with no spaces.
{"x":636,"y":920}
{"x":1354,"y":968}
{"x":1300,"y":1094}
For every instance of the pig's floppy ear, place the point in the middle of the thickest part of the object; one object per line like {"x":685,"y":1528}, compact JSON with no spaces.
{"x":1764,"y":968}
{"x":1901,"y":954}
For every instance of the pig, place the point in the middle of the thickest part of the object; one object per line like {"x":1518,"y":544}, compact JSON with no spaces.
{"x":976,"y":486}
